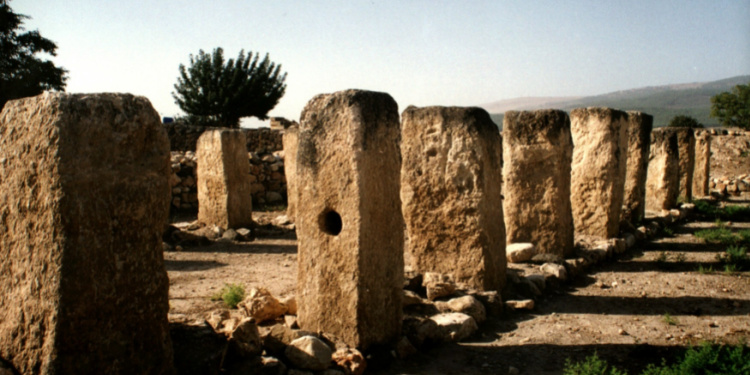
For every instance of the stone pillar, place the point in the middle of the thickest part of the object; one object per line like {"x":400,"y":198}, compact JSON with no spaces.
{"x":290,"y":140}
{"x":600,"y":155}
{"x":537,"y":153}
{"x":686,"y":143}
{"x":702,"y":169}
{"x":349,"y":223}
{"x":84,"y":198}
{"x":639,"y":144}
{"x":224,"y":194}
{"x":662,"y":185}
{"x":451,"y":181}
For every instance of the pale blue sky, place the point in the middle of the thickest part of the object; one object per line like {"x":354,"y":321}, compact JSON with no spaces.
{"x":421,"y":52}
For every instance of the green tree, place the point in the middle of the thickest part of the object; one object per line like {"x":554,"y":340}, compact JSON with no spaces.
{"x":22,"y":73}
{"x":682,"y":121}
{"x":223,"y":93}
{"x":733,"y":108}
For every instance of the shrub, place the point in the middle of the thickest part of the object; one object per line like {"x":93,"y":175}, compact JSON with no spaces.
{"x":592,"y":365}
{"x":231,"y":294}
{"x":707,"y":359}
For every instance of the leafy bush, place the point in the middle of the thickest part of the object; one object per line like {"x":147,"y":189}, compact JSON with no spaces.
{"x":707,"y":359}
{"x":734,"y":258}
{"x":731,"y":212}
{"x":592,"y":365}
{"x":231,"y":294}
{"x":723,"y":235}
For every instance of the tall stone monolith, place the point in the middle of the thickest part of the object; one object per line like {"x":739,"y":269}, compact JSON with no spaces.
{"x":224,"y":193}
{"x":84,"y":198}
{"x":702,"y":168}
{"x":663,"y":183}
{"x":349,"y":223}
{"x":537,"y":154}
{"x":639,"y":145}
{"x":451,"y":181}
{"x":600,"y":152}
{"x":290,"y":140}
{"x":686,"y":143}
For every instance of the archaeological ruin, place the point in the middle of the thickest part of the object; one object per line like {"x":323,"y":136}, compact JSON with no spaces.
{"x":224,"y":194}
{"x":639,"y":145}
{"x":291,"y":140}
{"x":350,"y":251}
{"x":702,"y":165}
{"x":84,"y":199}
{"x":600,"y":152}
{"x":537,"y":155}
{"x":662,"y":184}
{"x":686,"y":154}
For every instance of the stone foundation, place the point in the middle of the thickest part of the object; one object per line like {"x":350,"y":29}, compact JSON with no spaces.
{"x":349,"y":223}
{"x":598,"y":170}
{"x":451,"y":194}
{"x":537,"y":154}
{"x":84,"y":198}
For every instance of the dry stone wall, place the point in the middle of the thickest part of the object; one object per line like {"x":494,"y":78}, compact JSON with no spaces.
{"x":451,"y":194}
{"x":639,"y":145}
{"x":537,"y":154}
{"x":349,"y":223}
{"x":598,"y":171}
{"x":84,"y":198}
{"x":184,"y":137}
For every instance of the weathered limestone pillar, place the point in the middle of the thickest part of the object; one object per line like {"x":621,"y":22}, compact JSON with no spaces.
{"x":686,"y":143}
{"x":537,"y":153}
{"x":702,"y":169}
{"x":451,"y":181}
{"x":224,"y":194}
{"x":290,"y":141}
{"x":639,"y":144}
{"x":349,"y":223}
{"x":663,"y":183}
{"x":600,"y":155}
{"x":84,"y":198}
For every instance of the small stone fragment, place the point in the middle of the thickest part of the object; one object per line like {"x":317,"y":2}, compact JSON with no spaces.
{"x":438,"y":285}
{"x":520,"y":252}
{"x":527,"y":304}
{"x":404,"y":348}
{"x":411,"y":298}
{"x":469,"y":306}
{"x":245,"y":339}
{"x":262,"y":306}
{"x":309,"y":353}
{"x":555,"y":270}
{"x":351,"y":360}
{"x":453,"y":326}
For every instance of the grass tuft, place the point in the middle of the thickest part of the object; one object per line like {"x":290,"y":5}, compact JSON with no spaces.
{"x":231,"y":294}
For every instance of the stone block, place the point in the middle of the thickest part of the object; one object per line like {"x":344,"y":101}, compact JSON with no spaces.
{"x":224,"y":188}
{"x":600,"y":155}
{"x":686,"y":144}
{"x":537,"y":154}
{"x":84,"y":198}
{"x":349,"y":223}
{"x":290,"y":140}
{"x":702,"y":167}
{"x":662,"y":184}
{"x":639,"y":145}
{"x":451,"y":194}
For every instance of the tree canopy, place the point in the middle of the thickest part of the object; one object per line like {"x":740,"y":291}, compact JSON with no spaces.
{"x":223,"y":93}
{"x":682,"y":121}
{"x":733,"y":108}
{"x":22,"y":73}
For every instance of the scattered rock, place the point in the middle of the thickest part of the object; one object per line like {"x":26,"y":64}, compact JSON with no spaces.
{"x":453,"y":326}
{"x":309,"y":353}
{"x":245,"y":339}
{"x":291,"y":305}
{"x":272,"y":366}
{"x":547,"y":258}
{"x":411,"y":298}
{"x":527,"y":304}
{"x":351,"y":360}
{"x":404,"y":348}
{"x":229,"y":235}
{"x":555,"y":270}
{"x":438,"y":285}
{"x":262,"y":306}
{"x":513,"y":371}
{"x":520,"y":252}
{"x":469,"y":306}
{"x":244,"y":234}
{"x":538,"y":281}
{"x":491,"y":300}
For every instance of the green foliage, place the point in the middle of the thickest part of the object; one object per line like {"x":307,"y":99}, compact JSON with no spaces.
{"x":702,"y":270}
{"x":707,"y":359}
{"x":669,"y":319}
{"x":222,"y":92}
{"x":730,"y":212}
{"x":734,"y":258}
{"x":723,"y":235}
{"x":732,"y":108}
{"x":22,"y":73}
{"x":231,"y":294}
{"x":682,"y":121}
{"x":592,"y":365}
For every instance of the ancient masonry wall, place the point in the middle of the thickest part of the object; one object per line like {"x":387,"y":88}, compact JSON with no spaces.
{"x":184,"y":138}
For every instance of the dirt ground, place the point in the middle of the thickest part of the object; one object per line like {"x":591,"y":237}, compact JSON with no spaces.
{"x":617,"y":310}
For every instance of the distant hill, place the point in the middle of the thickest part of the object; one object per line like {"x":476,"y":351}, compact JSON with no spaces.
{"x":663,"y":102}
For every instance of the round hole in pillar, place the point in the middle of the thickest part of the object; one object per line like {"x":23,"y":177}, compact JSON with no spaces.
{"x":331,"y":222}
